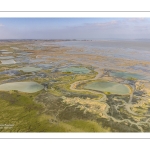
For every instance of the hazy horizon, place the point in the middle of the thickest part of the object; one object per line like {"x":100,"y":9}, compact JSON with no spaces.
{"x":74,"y":28}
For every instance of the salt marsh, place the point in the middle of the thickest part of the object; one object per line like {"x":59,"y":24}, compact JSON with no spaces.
{"x":85,"y":80}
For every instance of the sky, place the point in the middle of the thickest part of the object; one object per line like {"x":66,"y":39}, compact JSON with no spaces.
{"x":74,"y":28}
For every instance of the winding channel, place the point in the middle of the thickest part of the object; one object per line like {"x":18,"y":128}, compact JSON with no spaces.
{"x":104,"y":99}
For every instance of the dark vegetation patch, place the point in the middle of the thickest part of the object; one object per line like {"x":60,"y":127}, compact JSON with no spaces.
{"x":55,"y":106}
{"x":121,"y":97}
{"x":22,"y":112}
{"x":78,"y":94}
{"x":120,"y":112}
{"x":72,"y":112}
{"x":117,"y":127}
{"x":135,"y":99}
{"x":139,"y":93}
{"x":17,"y":99}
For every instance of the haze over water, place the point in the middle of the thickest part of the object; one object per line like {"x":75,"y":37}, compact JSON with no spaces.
{"x":128,"y":49}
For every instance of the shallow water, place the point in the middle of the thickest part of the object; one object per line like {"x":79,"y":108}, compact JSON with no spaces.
{"x":10,"y":72}
{"x":133,"y":49}
{"x":28,"y":87}
{"x":145,"y":68}
{"x":23,"y":54}
{"x":28,"y":60}
{"x":6,"y":57}
{"x":3,"y":50}
{"x":46,"y":66}
{"x":9,"y":61}
{"x":112,"y":87}
{"x":126,"y":75}
{"x":78,"y":70}
{"x":29,"y":69}
{"x":7,"y":52}
{"x":16,"y":48}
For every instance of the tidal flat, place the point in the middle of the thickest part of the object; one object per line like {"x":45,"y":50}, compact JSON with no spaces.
{"x":74,"y":86}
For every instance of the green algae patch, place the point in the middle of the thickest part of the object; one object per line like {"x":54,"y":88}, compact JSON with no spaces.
{"x":77,"y":70}
{"x":110,"y":87}
{"x":27,"y":87}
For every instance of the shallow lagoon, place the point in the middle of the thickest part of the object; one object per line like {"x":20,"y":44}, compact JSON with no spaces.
{"x":112,"y":87}
{"x":28,"y":87}
{"x":79,"y":70}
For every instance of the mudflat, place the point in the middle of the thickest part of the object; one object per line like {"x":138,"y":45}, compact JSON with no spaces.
{"x":75,"y":85}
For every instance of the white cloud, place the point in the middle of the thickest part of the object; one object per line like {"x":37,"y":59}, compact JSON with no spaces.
{"x":136,"y":19}
{"x":101,"y":24}
{"x":107,"y":24}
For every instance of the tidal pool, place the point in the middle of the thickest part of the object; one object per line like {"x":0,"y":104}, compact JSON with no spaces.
{"x":6,"y":57}
{"x":14,"y":48}
{"x":29,"y":69}
{"x":7,"y":52}
{"x":28,"y":87}
{"x":3,"y":50}
{"x":9,"y":61}
{"x":9,"y":72}
{"x":111,"y":87}
{"x":126,"y":75}
{"x":80,"y":70}
{"x":45,"y":66}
